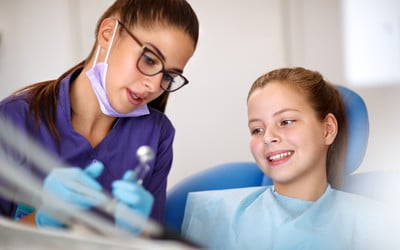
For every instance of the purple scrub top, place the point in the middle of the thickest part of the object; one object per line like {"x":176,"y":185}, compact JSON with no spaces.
{"x":117,"y":151}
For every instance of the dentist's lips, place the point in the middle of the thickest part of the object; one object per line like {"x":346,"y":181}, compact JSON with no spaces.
{"x":135,"y":98}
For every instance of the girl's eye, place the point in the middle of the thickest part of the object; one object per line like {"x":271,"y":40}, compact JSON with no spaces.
{"x":287,"y":122}
{"x":257,"y":131}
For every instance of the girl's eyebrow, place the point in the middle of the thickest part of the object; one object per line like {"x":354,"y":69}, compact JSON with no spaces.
{"x":254,"y":120}
{"x":275,"y":114}
{"x":285,"y":110}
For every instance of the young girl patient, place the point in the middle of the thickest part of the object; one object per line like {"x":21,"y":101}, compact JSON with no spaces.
{"x":298,"y":138}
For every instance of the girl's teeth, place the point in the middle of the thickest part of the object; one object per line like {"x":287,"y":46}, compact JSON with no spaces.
{"x":135,"y":97}
{"x":279,"y":156}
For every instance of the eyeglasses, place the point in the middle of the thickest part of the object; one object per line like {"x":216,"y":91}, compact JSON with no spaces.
{"x":150,"y":64}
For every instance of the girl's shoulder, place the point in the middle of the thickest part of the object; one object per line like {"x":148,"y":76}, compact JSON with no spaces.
{"x":358,"y":204}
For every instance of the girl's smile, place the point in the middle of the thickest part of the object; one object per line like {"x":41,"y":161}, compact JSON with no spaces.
{"x":277,"y":158}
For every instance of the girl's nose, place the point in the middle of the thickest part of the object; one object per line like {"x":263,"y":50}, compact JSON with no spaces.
{"x":270,"y":138}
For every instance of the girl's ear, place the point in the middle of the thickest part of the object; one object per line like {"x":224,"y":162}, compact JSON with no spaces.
{"x":105,"y":33}
{"x":331,"y":128}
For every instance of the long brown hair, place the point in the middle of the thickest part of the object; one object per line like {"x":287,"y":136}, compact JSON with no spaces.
{"x":147,"y":13}
{"x":324,"y":98}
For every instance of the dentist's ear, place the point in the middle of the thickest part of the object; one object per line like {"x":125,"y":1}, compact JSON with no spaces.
{"x":106,"y":31}
{"x":331,"y":128}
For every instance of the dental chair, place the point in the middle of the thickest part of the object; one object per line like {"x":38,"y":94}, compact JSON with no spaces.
{"x":247,"y":174}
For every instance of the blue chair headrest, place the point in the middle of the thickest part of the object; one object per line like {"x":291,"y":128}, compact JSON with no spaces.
{"x":358,"y":128}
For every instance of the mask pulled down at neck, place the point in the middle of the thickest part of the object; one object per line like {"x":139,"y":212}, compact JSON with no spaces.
{"x":97,"y":76}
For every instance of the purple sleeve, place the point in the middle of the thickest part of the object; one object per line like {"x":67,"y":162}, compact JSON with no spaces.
{"x":13,"y":110}
{"x":158,"y":183}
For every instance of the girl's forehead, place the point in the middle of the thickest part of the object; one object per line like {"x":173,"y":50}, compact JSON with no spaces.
{"x":275,"y":96}
{"x":276,"y":91}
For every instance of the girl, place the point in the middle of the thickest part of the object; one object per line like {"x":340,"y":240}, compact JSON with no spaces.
{"x":102,"y":110}
{"x":298,"y":138}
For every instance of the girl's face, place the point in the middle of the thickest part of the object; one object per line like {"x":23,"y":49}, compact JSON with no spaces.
{"x":127,"y":87}
{"x":287,"y":141}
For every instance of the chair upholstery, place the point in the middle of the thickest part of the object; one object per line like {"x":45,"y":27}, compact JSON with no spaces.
{"x":358,"y":126}
{"x":247,"y":174}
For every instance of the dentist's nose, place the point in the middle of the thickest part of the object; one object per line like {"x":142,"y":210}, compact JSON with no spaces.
{"x":153,"y":83}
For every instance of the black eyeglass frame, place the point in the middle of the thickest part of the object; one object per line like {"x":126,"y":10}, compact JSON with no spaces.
{"x":162,"y":70}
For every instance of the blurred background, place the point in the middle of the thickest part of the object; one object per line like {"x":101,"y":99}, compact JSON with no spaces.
{"x":355,"y":43}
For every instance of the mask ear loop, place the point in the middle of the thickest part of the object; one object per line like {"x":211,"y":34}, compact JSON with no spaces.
{"x":96,"y":56}
{"x":109,"y":46}
{"x":112,"y":41}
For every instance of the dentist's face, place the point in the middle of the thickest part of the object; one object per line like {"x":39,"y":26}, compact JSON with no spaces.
{"x":128,"y":88}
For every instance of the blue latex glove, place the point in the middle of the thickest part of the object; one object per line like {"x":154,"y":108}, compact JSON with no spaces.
{"x":72,"y":185}
{"x":133,"y":196}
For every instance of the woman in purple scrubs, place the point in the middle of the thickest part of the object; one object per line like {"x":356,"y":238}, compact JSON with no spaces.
{"x":97,"y":114}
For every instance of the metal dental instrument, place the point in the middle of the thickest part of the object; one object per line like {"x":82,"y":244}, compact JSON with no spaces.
{"x":144,"y":154}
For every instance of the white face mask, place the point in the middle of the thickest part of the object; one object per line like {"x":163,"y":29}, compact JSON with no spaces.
{"x":97,"y":77}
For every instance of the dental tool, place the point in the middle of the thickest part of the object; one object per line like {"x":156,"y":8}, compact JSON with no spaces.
{"x":144,"y":154}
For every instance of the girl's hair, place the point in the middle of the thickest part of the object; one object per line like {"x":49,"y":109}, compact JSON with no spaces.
{"x":324,"y":98}
{"x":145,"y":13}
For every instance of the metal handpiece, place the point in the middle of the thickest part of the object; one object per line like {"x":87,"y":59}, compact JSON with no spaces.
{"x":144,"y":155}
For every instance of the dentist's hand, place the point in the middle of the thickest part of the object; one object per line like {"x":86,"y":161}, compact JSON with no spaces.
{"x":69,"y":185}
{"x":131,"y":196}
